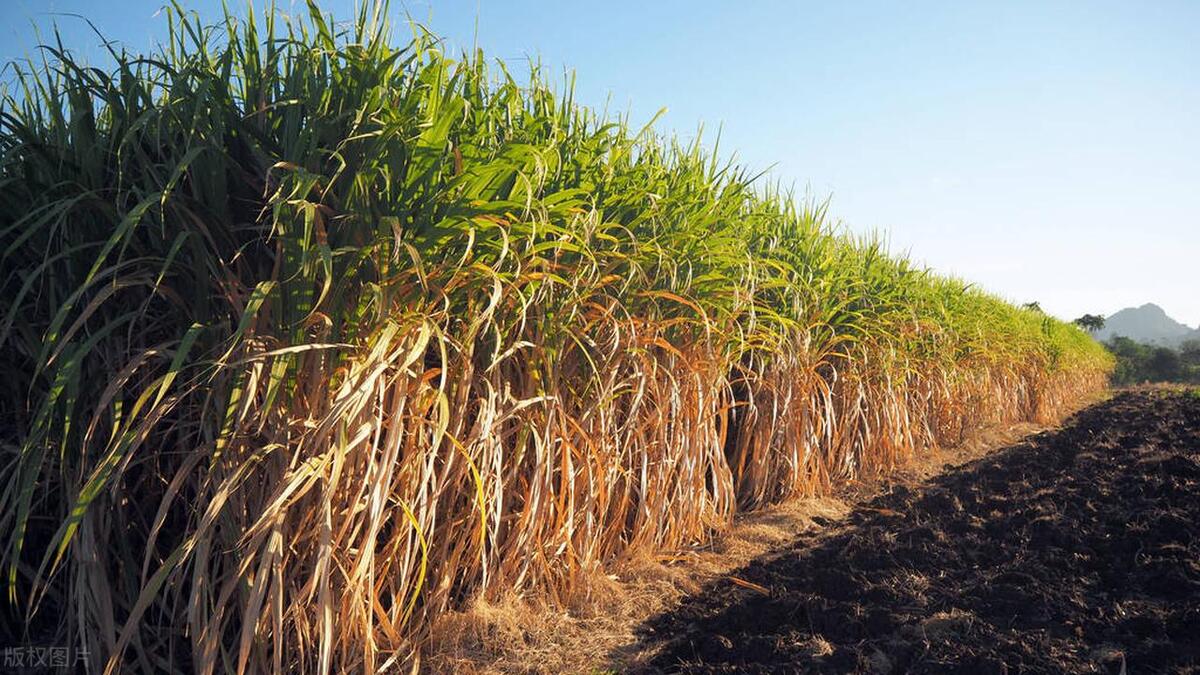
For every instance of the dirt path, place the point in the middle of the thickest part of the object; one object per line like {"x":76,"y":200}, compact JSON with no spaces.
{"x":1072,"y":551}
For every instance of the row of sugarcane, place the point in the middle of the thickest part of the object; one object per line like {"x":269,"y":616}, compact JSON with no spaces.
{"x":310,"y":338}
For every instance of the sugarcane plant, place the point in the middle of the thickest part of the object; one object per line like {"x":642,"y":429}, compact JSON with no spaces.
{"x":311,"y":335}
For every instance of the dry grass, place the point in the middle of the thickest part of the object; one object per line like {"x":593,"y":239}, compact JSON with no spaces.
{"x":597,"y":633}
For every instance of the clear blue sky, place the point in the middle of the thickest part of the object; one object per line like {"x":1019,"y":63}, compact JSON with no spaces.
{"x":1049,"y":151}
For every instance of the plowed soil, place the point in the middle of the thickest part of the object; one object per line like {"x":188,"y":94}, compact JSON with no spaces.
{"x":1073,"y":551}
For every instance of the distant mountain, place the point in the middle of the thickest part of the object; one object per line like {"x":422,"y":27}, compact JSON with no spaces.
{"x":1148,"y":324}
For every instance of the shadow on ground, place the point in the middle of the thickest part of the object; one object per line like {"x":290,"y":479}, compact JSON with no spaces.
{"x":1073,"y":551}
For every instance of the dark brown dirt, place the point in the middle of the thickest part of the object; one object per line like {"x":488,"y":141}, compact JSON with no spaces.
{"x":1073,"y":551}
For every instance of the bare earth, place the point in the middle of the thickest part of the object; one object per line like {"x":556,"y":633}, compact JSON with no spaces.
{"x":1073,"y":551}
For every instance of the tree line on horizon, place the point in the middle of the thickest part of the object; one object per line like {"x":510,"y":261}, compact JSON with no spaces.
{"x":1139,"y":362}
